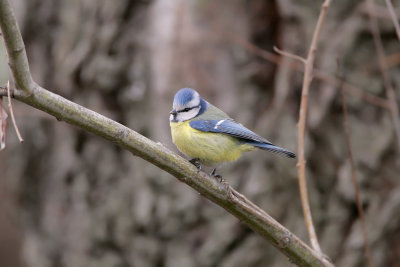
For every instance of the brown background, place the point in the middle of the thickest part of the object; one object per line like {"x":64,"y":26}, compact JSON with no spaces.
{"x":69,"y":198}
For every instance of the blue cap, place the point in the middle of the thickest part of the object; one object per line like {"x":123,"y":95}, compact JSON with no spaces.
{"x":184,"y":96}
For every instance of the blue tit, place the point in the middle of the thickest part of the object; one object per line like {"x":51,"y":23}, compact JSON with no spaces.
{"x":209,"y":136}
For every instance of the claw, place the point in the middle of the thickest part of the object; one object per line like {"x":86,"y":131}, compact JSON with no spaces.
{"x":196,"y":163}
{"x":212,"y":173}
{"x":223,"y":182}
{"x":217,"y":176}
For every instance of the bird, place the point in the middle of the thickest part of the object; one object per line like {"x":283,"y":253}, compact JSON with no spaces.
{"x":208,"y":136}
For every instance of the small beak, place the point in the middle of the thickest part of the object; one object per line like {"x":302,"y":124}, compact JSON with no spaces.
{"x":173,"y":112}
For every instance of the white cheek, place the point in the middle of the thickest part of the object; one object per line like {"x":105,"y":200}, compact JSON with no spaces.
{"x":184,"y":116}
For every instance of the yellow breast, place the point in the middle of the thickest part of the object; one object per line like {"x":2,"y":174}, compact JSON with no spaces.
{"x":210,"y":148}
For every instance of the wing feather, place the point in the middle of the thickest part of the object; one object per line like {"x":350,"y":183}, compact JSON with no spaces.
{"x":232,"y":128}
{"x":229,"y":127}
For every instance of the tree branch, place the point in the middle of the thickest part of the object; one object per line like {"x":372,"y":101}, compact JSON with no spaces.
{"x":353,"y":175}
{"x":390,"y":93}
{"x":301,"y":163}
{"x":21,"y":140}
{"x":15,"y":47}
{"x":290,"y":55}
{"x":318,"y":73}
{"x":393,"y":17}
{"x":32,"y":94}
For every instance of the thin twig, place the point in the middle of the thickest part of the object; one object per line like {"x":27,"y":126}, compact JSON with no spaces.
{"x":4,"y":92}
{"x":318,"y":73}
{"x":290,"y":55}
{"x":379,"y":11}
{"x":394,"y":17}
{"x":3,"y":125}
{"x":21,"y":140}
{"x":353,"y":175}
{"x":390,"y":93}
{"x":301,"y":163}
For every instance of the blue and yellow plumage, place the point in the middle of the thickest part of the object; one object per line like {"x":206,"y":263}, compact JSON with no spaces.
{"x":203,"y":132}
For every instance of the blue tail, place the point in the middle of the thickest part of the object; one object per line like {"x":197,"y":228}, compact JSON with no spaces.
{"x":272,"y":148}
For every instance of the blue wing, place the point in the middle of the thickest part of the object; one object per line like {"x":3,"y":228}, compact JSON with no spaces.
{"x":232,"y":128}
{"x":229,"y":127}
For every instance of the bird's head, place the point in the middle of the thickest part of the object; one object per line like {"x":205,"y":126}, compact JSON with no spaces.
{"x":187,"y":105}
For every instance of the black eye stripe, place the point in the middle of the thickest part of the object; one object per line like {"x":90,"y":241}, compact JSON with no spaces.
{"x":187,"y":109}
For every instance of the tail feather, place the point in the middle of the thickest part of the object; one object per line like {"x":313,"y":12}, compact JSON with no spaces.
{"x":274,"y":149}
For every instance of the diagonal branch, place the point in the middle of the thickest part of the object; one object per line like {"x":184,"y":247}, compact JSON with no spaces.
{"x":32,"y":94}
{"x":318,"y":73}
{"x":290,"y":55}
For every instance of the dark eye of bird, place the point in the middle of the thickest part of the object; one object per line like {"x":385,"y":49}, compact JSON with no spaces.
{"x":185,"y":110}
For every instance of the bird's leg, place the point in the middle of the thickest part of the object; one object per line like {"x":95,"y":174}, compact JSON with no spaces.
{"x":196,"y":162}
{"x":217,"y":176}
{"x":223,"y":182}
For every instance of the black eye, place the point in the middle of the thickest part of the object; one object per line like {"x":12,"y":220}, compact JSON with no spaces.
{"x":186,"y":109}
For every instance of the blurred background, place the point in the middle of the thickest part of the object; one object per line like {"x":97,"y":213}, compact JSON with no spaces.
{"x":68,"y":198}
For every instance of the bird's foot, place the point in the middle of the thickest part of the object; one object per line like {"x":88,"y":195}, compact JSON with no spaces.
{"x":217,"y":176}
{"x":196,"y":163}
